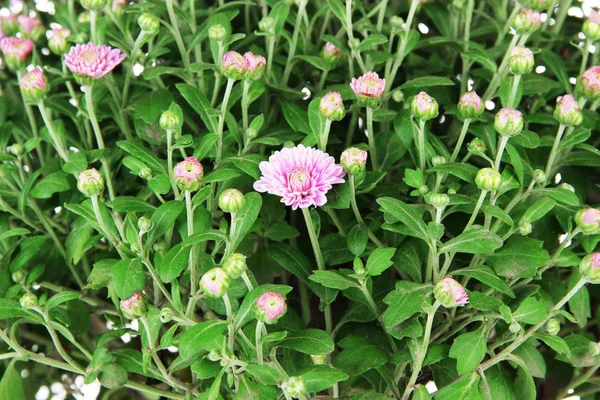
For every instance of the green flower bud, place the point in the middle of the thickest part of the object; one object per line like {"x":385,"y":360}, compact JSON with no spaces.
{"x":28,"y":301}
{"x":215,"y":355}
{"x":145,"y":224}
{"x":90,"y":182}
{"x":149,"y":24}
{"x":514,"y":327}
{"x":18,"y":276}
{"x":159,"y":246}
{"x":231,"y":200}
{"x":266,"y":24}
{"x":450,"y":293}
{"x":539,"y":176}
{"x":294,"y":386}
{"x":34,"y":85}
{"x":353,"y":43}
{"x":424,"y":107}
{"x":488,"y":179}
{"x":439,"y":200}
{"x":594,"y":349}
{"x":438,"y":160}
{"x":135,"y":248}
{"x":16,"y":149}
{"x":566,"y":186}
{"x":332,"y":106}
{"x":354,"y":161}
{"x":567,"y":111}
{"x":217,"y":32}
{"x":589,"y":268}
{"x":552,"y":327}
{"x":525,"y":228}
{"x":397,"y":23}
{"x":591,"y":26}
{"x":169,"y":120}
{"x":359,"y":267}
{"x":526,"y":21}
{"x":398,"y":96}
{"x":235,"y":265}
{"x":588,"y":220}
{"x":145,"y":173}
{"x":93,"y":5}
{"x":535,"y":4}
{"x":470,"y":106}
{"x":136,"y":306}
{"x":332,"y":54}
{"x":215,"y":283}
{"x":424,"y":190}
{"x":521,"y":60}
{"x":319,"y":359}
{"x":166,"y":315}
{"x":508,"y":122}
{"x":477,"y":146}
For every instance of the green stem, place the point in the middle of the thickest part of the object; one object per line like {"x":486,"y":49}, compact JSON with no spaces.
{"x":257,"y":341}
{"x":404,"y":41}
{"x":357,"y":214}
{"x":177,"y":34}
{"x":191,"y":266}
{"x":136,"y":46}
{"x":323,"y":79}
{"x":553,"y":152}
{"x":382,"y":8}
{"x":245,"y":91}
{"x":62,"y":152}
{"x":103,"y":227}
{"x":500,"y":73}
{"x":170,"y":162}
{"x":461,"y":139}
{"x":501,"y":147}
{"x":325,"y":135}
{"x":421,"y":145}
{"x":230,"y":83}
{"x":476,"y":210}
{"x":375,"y":310}
{"x":270,"y":49}
{"x":230,"y":327}
{"x":371,"y":138}
{"x":289,"y":64}
{"x":55,"y":339}
{"x":513,"y":92}
{"x":93,"y":29}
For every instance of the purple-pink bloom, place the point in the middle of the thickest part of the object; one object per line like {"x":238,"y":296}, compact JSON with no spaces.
{"x":28,"y":24}
{"x":188,"y":174}
{"x":254,"y":66}
{"x":93,"y":61}
{"x":332,"y":106}
{"x":269,"y":307}
{"x":300,"y":175}
{"x":233,"y":65}
{"x":450,"y":293}
{"x":594,"y":17}
{"x":16,"y":47}
{"x":368,"y":88}
{"x":331,"y":51}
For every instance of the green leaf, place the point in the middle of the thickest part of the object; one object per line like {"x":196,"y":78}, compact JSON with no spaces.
{"x":332,"y":279}
{"x":357,"y":239}
{"x":249,"y":390}
{"x":359,"y":356}
{"x":520,"y":257}
{"x":200,"y":103}
{"x":556,"y":343}
{"x":14,"y":232}
{"x":372,"y":41}
{"x":292,"y":259}
{"x":407,"y":215}
{"x":60,"y":298}
{"x":403,"y":302}
{"x":532,"y":358}
{"x":316,"y":61}
{"x":562,"y":196}
{"x":308,"y":341}
{"x":245,"y":218}
{"x":498,"y":213}
{"x":482,"y":302}
{"x":464,"y":389}
{"x":472,"y":241}
{"x":163,"y":218}
{"x":480,"y":57}
{"x":580,"y":355}
{"x":296,"y":117}
{"x":524,"y":384}
{"x":380,"y":260}
{"x":426,"y":81}
{"x":11,"y":385}
{"x":145,"y":155}
{"x":173,"y":263}
{"x":466,"y":172}
{"x":128,"y":276}
{"x":10,"y":309}
{"x":54,"y":183}
{"x":531,"y":312}
{"x":487,"y":276}
{"x":556,"y":65}
{"x":469,"y":349}
{"x":130,"y":204}
{"x":200,"y":337}
{"x":538,"y":209}
{"x":322,"y":377}
{"x":112,"y":375}
{"x":579,"y":304}
{"x":266,"y":374}
{"x":248,"y":163}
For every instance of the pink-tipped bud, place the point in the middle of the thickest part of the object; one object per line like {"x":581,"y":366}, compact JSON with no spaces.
{"x":30,"y":28}
{"x":8,"y":24}
{"x":450,"y":293}
{"x":332,"y":106}
{"x":134,"y":307}
{"x":34,"y":85}
{"x":118,"y":6}
{"x":332,"y":54}
{"x":354,"y":160}
{"x":588,"y":84}
{"x":254,"y":66}
{"x":188,"y":174}
{"x":591,"y":26}
{"x":521,"y":60}
{"x":508,"y":122}
{"x":93,"y":5}
{"x":368,"y":89}
{"x":424,"y":107}
{"x":90,"y":182}
{"x":589,"y":268}
{"x":16,"y":51}
{"x":231,"y":200}
{"x":588,"y":220}
{"x":527,"y":21}
{"x":215,"y":283}
{"x":89,"y":62}
{"x":57,"y":42}
{"x":470,"y":106}
{"x":269,"y":307}
{"x":233,"y":65}
{"x":567,"y":111}
{"x":488,"y":179}
{"x":235,"y":265}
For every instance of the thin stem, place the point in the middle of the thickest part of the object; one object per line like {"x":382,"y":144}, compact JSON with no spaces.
{"x":230,"y":83}
{"x":323,"y":79}
{"x":62,"y":152}
{"x":177,"y":35}
{"x":461,"y":139}
{"x":247,"y":281}
{"x":289,"y":64}
{"x":357,"y":214}
{"x":584,"y":58}
{"x":501,"y":147}
{"x":375,"y":310}
{"x":257,"y":341}
{"x":107,"y":233}
{"x":553,"y":152}
{"x":170,"y":162}
{"x":513,"y":92}
{"x":191,"y":266}
{"x":477,"y":208}
{"x":404,"y":42}
{"x":136,"y":46}
{"x":371,"y":138}
{"x":55,"y":339}
{"x":382,"y":6}
{"x":421,"y":145}
{"x":499,"y":74}
{"x":245,"y":91}
{"x":230,"y":327}
{"x":93,"y":29}
{"x":325,"y":135}
{"x":270,"y":49}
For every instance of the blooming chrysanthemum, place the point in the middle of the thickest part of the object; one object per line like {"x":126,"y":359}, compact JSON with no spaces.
{"x":301,"y":176}
{"x":16,"y":51}
{"x":368,"y":89}
{"x":269,"y":307}
{"x":89,"y":61}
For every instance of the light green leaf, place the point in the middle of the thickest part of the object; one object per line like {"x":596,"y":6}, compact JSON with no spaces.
{"x":530,"y":311}
{"x":487,"y":276}
{"x":405,"y":214}
{"x":332,"y":279}
{"x":308,"y":341}
{"x":403,"y":303}
{"x":380,"y":260}
{"x":200,"y":337}
{"x":359,"y":356}
{"x":128,"y":276}
{"x":472,"y":241}
{"x":520,"y":257}
{"x":469,"y":349}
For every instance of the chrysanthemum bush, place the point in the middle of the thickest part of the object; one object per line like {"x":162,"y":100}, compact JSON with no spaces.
{"x":277,"y":199}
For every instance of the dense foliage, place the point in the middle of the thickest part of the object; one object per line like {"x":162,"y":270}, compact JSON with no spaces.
{"x":282,"y":199}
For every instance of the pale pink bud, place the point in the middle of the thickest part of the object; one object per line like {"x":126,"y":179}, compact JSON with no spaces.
{"x":332,"y":54}
{"x":332,"y":106}
{"x":368,"y":89}
{"x":269,"y":307}
{"x":188,"y":174}
{"x":591,"y":26}
{"x":233,"y":65}
{"x":254,"y":66}
{"x":588,"y":220}
{"x":450,"y":293}
{"x":521,"y":60}
{"x":215,"y":283}
{"x":134,"y":307}
{"x":354,"y":160}
{"x":527,"y":21}
{"x":588,"y":84}
{"x":424,"y":107}
{"x":90,"y":182}
{"x":34,"y":85}
{"x":16,"y":51}
{"x":567,"y":111}
{"x":470,"y":105}
{"x":589,"y":267}
{"x":57,"y":42}
{"x":508,"y":122}
{"x":31,"y":28}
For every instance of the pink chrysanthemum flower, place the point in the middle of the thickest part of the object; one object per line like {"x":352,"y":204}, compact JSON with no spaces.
{"x":89,"y":61}
{"x":16,"y":51}
{"x":34,"y":85}
{"x":450,"y":293}
{"x":254,"y":66}
{"x":301,"y":176}
{"x":588,"y":84}
{"x":589,"y":267}
{"x":269,"y":307}
{"x":30,"y":27}
{"x":368,"y":89}
{"x":567,"y":111}
{"x":233,"y":65}
{"x":188,"y":174}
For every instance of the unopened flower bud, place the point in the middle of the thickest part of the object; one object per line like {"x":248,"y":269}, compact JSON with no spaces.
{"x":118,"y":6}
{"x":477,"y":146}
{"x":567,"y":111}
{"x":235,"y":265}
{"x":215,"y":355}
{"x":397,"y":23}
{"x":254,"y":66}
{"x":135,"y":248}
{"x":439,"y":200}
{"x":368,"y":89}
{"x":589,"y":268}
{"x":332,"y":106}
{"x":566,"y":186}
{"x":166,"y":315}
{"x":170,"y":120}
{"x":450,"y":293}
{"x":398,"y":96}
{"x":136,"y":306}
{"x":535,"y":4}
{"x":526,"y":21}
{"x":30,"y":27}
{"x":149,"y":24}
{"x":353,"y":43}
{"x":552,"y":327}
{"x":16,"y":51}
{"x":215,"y":283}
{"x":217,"y":32}
{"x":83,"y":18}
{"x":539,"y":176}
{"x":266,"y":24}
{"x":28,"y":301}
{"x":269,"y":307}
{"x":508,"y":122}
{"x":359,"y":268}
{"x":18,"y":276}
{"x":470,"y":106}
{"x":145,"y":173}
{"x":594,"y":349}
{"x":591,"y":26}
{"x":588,"y":84}
{"x":354,"y":160}
{"x":521,"y":60}
{"x":58,"y":43}
{"x":424,"y":107}
{"x":438,"y":160}
{"x":90,"y":182}
{"x":525,"y":228}
{"x":231,"y":200}
{"x":233,"y":65}
{"x":93,"y":5}
{"x":159,"y":246}
{"x":188,"y":174}
{"x":294,"y":386}
{"x":451,"y":191}
{"x":319,"y":359}
{"x":145,"y":224}
{"x":588,"y":220}
{"x":514,"y":327}
{"x":488,"y":179}
{"x":34,"y":85}
{"x":424,"y":190}
{"x":332,"y":54}
{"x":16,"y":149}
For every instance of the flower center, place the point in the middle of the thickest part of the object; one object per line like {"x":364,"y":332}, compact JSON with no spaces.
{"x":299,"y":180}
{"x":88,"y":56}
